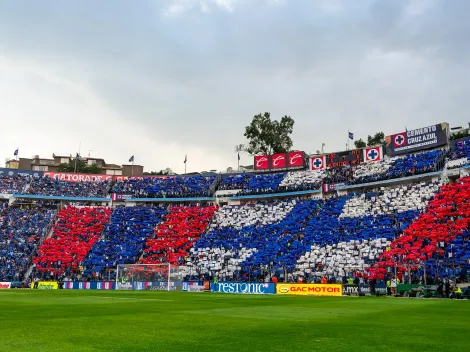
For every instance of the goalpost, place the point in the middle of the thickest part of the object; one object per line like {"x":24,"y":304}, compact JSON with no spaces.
{"x":127,"y":273}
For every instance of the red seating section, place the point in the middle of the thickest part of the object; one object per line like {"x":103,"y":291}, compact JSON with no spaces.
{"x":446,"y":217}
{"x":176,"y":234}
{"x":75,"y":232}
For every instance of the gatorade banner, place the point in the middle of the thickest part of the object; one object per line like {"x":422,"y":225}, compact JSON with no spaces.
{"x":309,"y":289}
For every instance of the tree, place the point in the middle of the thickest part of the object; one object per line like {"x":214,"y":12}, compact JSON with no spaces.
{"x":379,"y":138}
{"x":80,"y":167}
{"x":269,"y":137}
{"x":360,"y":143}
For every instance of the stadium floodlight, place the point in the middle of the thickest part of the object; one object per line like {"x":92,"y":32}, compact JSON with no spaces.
{"x":128,"y":273}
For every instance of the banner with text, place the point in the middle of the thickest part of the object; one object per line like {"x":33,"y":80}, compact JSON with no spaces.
{"x":309,"y":289}
{"x":120,"y":197}
{"x":244,"y":288}
{"x":279,"y":162}
{"x":72,"y":177}
{"x":5,"y":285}
{"x":48,"y":285}
{"x":5,"y":172}
{"x":419,"y":139}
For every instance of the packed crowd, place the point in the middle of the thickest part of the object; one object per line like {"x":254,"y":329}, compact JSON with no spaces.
{"x":21,"y":231}
{"x":459,"y":155}
{"x":47,"y":186}
{"x":439,"y":235}
{"x":76,"y":231}
{"x":13,"y":184}
{"x":123,"y":239}
{"x":176,"y":234}
{"x":165,"y":187}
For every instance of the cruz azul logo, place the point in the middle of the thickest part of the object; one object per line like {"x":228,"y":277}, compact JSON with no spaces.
{"x":296,"y":159}
{"x":261,"y":162}
{"x":279,"y":161}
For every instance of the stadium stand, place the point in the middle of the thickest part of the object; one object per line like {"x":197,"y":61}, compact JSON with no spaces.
{"x":21,"y":231}
{"x":13,"y":184}
{"x":123,"y":239}
{"x":459,"y":155}
{"x":47,"y":186}
{"x":165,"y":187}
{"x":234,"y":182}
{"x":439,"y":234}
{"x":180,"y":228}
{"x":76,"y":231}
{"x":242,"y":239}
{"x":364,"y":229}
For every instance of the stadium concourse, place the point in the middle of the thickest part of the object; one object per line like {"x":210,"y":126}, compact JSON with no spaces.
{"x":403,"y":215}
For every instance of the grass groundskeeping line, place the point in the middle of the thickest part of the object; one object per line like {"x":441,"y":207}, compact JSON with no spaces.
{"x":178,"y":321}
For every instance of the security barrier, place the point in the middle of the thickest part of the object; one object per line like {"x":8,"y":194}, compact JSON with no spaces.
{"x":309,"y":289}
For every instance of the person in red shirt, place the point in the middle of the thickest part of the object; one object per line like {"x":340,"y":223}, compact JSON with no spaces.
{"x":324,"y":280}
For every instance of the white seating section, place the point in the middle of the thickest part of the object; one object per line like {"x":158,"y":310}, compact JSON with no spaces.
{"x":368,"y":169}
{"x":452,"y":164}
{"x":260,"y":213}
{"x":340,"y":259}
{"x":302,"y":177}
{"x":216,"y":261}
{"x":400,"y":198}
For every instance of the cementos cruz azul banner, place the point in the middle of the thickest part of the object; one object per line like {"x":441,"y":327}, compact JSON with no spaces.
{"x":309,"y":289}
{"x":72,"y":177}
{"x":244,"y":288}
{"x":15,"y":172}
{"x":419,"y":139}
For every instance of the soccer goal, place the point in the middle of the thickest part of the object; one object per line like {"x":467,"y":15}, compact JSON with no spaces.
{"x":126,"y":274}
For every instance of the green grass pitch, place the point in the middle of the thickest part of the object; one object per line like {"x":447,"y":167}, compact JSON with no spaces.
{"x":179,"y":321}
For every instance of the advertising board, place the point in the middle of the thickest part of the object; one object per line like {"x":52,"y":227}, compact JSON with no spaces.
{"x":244,"y":288}
{"x":418,"y":139}
{"x":5,"y":285}
{"x":47,"y":285}
{"x":309,"y":289}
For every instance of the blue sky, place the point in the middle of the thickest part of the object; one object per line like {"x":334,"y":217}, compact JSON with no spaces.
{"x":165,"y":78}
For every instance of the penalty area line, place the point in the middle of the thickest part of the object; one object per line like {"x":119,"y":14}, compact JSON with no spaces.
{"x":136,"y":299}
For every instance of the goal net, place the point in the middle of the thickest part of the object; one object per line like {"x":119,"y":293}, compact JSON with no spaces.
{"x":133,"y":276}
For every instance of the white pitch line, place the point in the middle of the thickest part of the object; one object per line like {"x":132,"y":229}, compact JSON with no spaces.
{"x":137,"y":299}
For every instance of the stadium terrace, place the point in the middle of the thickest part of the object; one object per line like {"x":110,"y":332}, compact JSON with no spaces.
{"x":369,"y":220}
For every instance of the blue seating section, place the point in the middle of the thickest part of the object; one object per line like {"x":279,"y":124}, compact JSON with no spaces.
{"x":20,"y":232}
{"x":47,"y":186}
{"x":264,"y":183}
{"x":14,"y":184}
{"x":165,"y":187}
{"x":409,"y":165}
{"x":124,"y":238}
{"x":231,"y":182}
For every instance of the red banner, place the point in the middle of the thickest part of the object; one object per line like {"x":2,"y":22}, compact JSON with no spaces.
{"x":71,"y":177}
{"x":280,"y":161}
{"x":296,"y":159}
{"x":261,"y":162}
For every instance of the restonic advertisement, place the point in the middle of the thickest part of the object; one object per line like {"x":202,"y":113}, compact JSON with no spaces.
{"x":244,"y":288}
{"x":310,"y":289}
